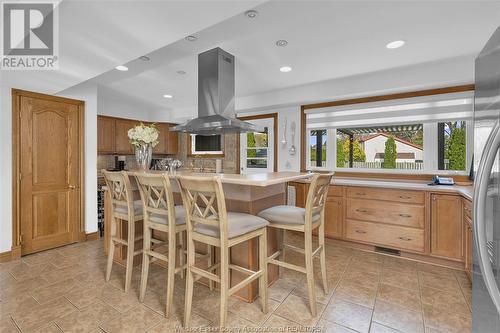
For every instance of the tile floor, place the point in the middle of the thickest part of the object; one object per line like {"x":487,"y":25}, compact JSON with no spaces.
{"x":63,"y":290}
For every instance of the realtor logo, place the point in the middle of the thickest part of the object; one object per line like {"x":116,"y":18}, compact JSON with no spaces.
{"x":29,"y":35}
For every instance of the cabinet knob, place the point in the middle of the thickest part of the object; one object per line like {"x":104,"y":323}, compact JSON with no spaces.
{"x":405,"y":238}
{"x":361,"y":231}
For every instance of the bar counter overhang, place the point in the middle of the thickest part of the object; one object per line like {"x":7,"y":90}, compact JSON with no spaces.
{"x":248,"y":193}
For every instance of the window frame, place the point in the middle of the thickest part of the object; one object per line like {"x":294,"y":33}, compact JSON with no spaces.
{"x":209,"y":154}
{"x":330,"y":140}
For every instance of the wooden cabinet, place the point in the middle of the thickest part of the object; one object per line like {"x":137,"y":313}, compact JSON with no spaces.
{"x":122,"y":144}
{"x":161,"y":147}
{"x":105,"y":135}
{"x":300,"y":193}
{"x":467,"y":238}
{"x":446,"y":226}
{"x":172,"y":141}
{"x":334,"y":219}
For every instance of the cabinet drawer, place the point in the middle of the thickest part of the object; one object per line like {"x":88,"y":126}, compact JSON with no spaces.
{"x":467,"y":208}
{"x":386,"y":235}
{"x":386,"y":212}
{"x":335,"y":191}
{"x":416,"y":197}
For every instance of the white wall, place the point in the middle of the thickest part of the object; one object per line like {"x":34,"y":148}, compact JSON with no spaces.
{"x":5,"y":169}
{"x":87,"y":92}
{"x":377,"y":145}
{"x":286,"y":162}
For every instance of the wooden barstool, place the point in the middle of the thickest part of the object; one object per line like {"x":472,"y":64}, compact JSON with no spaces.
{"x":209,"y":222}
{"x":126,"y":209}
{"x":303,"y":220}
{"x":161,"y":214}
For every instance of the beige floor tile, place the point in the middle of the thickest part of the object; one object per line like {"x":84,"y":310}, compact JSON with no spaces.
{"x":365,"y":266}
{"x":13,"y":288}
{"x":379,"y":328}
{"x":280,"y":289}
{"x":137,"y":319}
{"x":83,"y":297}
{"x":23,"y":271}
{"x":348,"y":314}
{"x":302,"y":291}
{"x":328,"y":327}
{"x":51,"y":328}
{"x":250,"y":311}
{"x":398,"y":317}
{"x":399,"y":296}
{"x":39,"y":258}
{"x":17,"y":305}
{"x":56,"y":290}
{"x":88,"y":319}
{"x":364,"y":256}
{"x":276,"y":324}
{"x":118,"y":299}
{"x":42,"y":315}
{"x":370,"y":280}
{"x":445,"y":321}
{"x":407,"y":280}
{"x":296,"y":308}
{"x":438,"y":270}
{"x":448,"y":302}
{"x":352,"y":291}
{"x":176,"y":325}
{"x":64,"y":273}
{"x":7,"y":325}
{"x":440,"y":282}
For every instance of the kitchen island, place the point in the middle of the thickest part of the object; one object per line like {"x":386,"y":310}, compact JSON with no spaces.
{"x":250,"y":193}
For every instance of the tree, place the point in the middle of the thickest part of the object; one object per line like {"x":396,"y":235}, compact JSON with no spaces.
{"x":456,"y":149}
{"x":390,"y":154}
{"x":358,"y":154}
{"x":341,"y":158}
{"x":251,"y":143}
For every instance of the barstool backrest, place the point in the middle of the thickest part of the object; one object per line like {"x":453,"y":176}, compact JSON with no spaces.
{"x":156,"y":195}
{"x":316,"y":197}
{"x":204,"y":201}
{"x":119,"y":190}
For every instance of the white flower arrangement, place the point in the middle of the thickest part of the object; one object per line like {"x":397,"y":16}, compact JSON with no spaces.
{"x":143,"y":134}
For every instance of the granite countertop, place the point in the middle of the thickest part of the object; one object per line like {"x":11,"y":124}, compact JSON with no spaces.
{"x":465,"y":191}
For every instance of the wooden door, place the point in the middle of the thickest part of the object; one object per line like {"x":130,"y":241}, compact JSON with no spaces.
{"x":446,"y":226}
{"x":105,"y":135}
{"x":172,"y":141}
{"x":50,"y":153}
{"x":333,"y":217}
{"x":122,"y":143}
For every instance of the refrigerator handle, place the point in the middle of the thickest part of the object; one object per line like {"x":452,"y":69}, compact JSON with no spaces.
{"x":479,"y":208}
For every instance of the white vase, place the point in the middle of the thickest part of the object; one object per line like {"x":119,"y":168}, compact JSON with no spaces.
{"x":143,"y":156}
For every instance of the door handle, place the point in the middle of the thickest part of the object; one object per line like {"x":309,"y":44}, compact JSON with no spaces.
{"x":72,"y":187}
{"x":361,"y":210}
{"x":479,"y":209}
{"x":360,"y":231}
{"x":405,"y":215}
{"x":405,"y":238}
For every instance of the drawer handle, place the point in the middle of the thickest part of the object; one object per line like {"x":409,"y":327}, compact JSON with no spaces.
{"x":405,"y":215}
{"x":404,"y":197}
{"x":361,"y":231}
{"x":405,"y":238}
{"x":361,"y":210}
{"x":360,"y":193}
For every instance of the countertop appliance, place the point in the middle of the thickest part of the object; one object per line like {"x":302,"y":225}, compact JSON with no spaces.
{"x":486,"y":224}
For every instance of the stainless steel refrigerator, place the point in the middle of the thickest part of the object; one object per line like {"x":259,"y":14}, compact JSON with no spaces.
{"x":486,"y":262}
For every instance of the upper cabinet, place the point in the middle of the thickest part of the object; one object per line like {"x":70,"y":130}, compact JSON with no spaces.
{"x":105,"y":134}
{"x":112,"y":137}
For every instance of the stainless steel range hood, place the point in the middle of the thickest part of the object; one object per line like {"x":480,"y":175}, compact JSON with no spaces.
{"x":216,"y":97}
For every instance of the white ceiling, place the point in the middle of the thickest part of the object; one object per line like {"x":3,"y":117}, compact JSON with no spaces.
{"x":327,"y":40}
{"x":95,"y":36}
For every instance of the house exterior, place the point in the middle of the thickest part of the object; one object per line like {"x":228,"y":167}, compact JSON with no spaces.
{"x":374,"y":147}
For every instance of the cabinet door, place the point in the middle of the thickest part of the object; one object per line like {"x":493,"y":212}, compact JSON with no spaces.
{"x":333,"y":217}
{"x":161,"y":147}
{"x":300,"y":193}
{"x":468,"y":246}
{"x":446,"y":226}
{"x":123,"y":146}
{"x":172,"y":141}
{"x":105,"y":135}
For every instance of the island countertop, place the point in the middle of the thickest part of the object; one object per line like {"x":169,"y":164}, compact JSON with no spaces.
{"x":252,"y":179}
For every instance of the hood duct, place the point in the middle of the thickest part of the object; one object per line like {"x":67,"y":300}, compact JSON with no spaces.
{"x":216,"y":113}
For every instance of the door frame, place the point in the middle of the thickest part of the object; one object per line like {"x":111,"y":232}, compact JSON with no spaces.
{"x":16,"y":156}
{"x":274,"y":116}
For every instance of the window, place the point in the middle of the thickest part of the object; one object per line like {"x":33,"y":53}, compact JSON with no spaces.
{"x":206,"y":144}
{"x":257,"y":149}
{"x":318,"y":148}
{"x":381,"y":147}
{"x":452,"y":145}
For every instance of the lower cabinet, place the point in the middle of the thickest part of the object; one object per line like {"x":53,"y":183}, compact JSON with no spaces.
{"x":334,"y":217}
{"x":468,"y":247}
{"x":446,"y":226}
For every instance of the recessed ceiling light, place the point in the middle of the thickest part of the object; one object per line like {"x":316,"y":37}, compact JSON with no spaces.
{"x":286,"y":69}
{"x":251,"y":14}
{"x":181,"y":72}
{"x":191,"y":38}
{"x":282,"y":42}
{"x":122,"y":68}
{"x":144,"y":58}
{"x":168,"y":96}
{"x":395,"y":44}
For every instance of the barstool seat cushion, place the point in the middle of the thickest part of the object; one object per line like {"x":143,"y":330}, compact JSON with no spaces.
{"x":284,"y":214}
{"x":180,"y":216}
{"x":237,"y":224}
{"x":124,"y":210}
